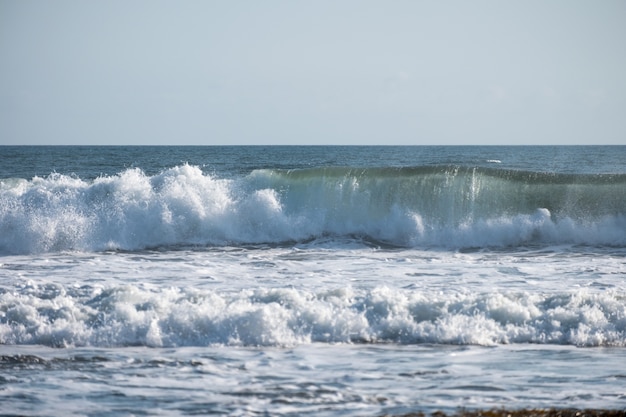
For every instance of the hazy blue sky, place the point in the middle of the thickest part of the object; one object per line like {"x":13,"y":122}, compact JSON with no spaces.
{"x":312,"y":72}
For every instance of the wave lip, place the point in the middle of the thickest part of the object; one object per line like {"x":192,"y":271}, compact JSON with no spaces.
{"x":442,"y":206}
{"x":131,"y":315}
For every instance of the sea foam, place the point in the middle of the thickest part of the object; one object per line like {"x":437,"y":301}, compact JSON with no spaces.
{"x":129,"y":315}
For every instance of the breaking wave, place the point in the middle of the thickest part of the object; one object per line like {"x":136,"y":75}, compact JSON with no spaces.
{"x":443,"y":206}
{"x":131,"y":315}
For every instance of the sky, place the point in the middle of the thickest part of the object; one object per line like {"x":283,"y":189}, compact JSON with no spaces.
{"x":154,"y":72}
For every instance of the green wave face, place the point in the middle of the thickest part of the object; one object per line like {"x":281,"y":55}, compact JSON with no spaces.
{"x":448,"y":194}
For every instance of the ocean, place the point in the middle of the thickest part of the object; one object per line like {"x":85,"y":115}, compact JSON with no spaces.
{"x":311,"y":280}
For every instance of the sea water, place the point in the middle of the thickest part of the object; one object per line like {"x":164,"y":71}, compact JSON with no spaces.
{"x":311,"y":280}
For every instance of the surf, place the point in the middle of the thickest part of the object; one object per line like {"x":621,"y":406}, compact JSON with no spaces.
{"x":422,"y":206}
{"x":142,"y":315}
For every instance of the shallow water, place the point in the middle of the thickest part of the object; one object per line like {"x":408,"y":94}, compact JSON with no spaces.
{"x":312,"y":379}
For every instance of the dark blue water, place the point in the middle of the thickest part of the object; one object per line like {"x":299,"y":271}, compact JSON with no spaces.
{"x":88,"y":162}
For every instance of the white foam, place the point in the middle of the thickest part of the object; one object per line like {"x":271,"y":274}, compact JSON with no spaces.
{"x":144,"y":315}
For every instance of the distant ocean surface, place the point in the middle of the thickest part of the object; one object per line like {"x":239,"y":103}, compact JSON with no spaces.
{"x":322,"y":280}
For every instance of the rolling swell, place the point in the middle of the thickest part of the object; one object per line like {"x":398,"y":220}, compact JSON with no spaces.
{"x":441,"y":206}
{"x":456,"y":194}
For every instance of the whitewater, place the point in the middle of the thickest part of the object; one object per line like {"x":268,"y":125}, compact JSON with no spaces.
{"x":311,"y":280}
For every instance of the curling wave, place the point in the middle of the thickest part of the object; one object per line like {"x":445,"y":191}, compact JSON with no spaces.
{"x":444,"y":206}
